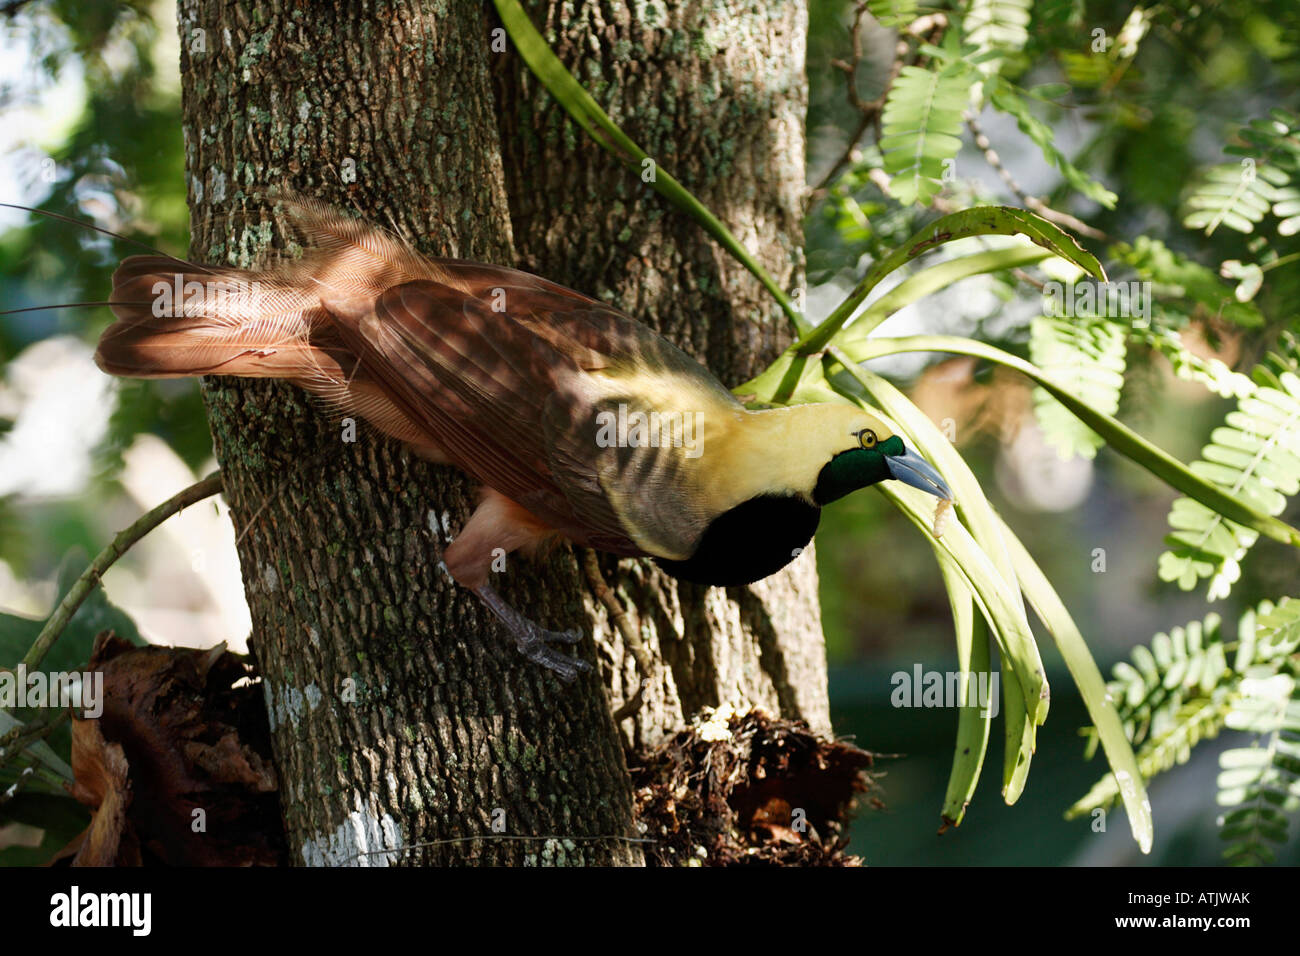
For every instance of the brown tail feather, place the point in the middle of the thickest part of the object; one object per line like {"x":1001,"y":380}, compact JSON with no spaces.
{"x":175,"y":319}
{"x":172,"y":323}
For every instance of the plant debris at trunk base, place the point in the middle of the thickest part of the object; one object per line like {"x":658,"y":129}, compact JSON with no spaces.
{"x":750,"y":789}
{"x":178,"y":770}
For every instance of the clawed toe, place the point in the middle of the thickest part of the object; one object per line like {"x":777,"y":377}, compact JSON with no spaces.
{"x":535,"y":642}
{"x":539,"y":652}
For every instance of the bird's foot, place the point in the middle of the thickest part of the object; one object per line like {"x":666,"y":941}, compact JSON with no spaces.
{"x":535,"y":645}
{"x":534,"y":641}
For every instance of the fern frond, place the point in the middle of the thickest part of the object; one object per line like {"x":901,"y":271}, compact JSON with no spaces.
{"x":1186,"y":663}
{"x":1286,"y":207}
{"x":1211,"y":373}
{"x":1277,"y":635}
{"x":1182,"y":689}
{"x":1185,"y":287}
{"x":1262,"y":782}
{"x":998,"y":27}
{"x":921,"y":128}
{"x":1273,"y":139}
{"x":1233,"y":195}
{"x":1198,"y":720}
{"x":1087,"y":357}
{"x":1255,"y":456}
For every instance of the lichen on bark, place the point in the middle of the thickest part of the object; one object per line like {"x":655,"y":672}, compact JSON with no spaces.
{"x":399,"y":712}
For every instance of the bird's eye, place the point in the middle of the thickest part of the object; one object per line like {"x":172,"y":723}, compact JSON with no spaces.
{"x":867,"y":438}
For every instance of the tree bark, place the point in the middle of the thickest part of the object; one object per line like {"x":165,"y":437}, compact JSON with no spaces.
{"x":716,"y":94}
{"x":402,"y":718}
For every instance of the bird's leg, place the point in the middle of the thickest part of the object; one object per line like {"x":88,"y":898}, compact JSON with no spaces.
{"x":499,"y":527}
{"x":534,"y":641}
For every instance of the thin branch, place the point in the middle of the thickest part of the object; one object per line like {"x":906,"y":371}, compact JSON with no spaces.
{"x":870,"y":112}
{"x":12,"y":790}
{"x":618,"y":618}
{"x":209,"y":486}
{"x":1028,"y":201}
{"x":19,"y":738}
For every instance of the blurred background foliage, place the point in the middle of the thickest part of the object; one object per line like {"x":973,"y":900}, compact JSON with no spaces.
{"x":92,"y":102}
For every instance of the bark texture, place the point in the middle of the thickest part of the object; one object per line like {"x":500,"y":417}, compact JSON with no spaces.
{"x":402,"y":719}
{"x":400,"y":715}
{"x":716,"y":94}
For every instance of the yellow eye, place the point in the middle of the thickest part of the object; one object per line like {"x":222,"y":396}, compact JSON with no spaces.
{"x":867,"y":438}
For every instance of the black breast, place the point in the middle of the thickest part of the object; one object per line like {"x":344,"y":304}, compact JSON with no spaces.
{"x":749,"y":542}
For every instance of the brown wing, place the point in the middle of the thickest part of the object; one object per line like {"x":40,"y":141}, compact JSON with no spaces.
{"x":477,"y":382}
{"x":498,"y":365}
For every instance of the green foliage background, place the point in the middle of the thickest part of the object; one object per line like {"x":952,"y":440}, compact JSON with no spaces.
{"x":1138,"y":141}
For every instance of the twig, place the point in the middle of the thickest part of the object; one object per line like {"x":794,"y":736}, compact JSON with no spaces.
{"x":19,"y":738}
{"x":209,"y":486}
{"x":618,"y":618}
{"x":1025,"y":277}
{"x":1028,"y":201}
{"x":12,"y":790}
{"x":871,"y":111}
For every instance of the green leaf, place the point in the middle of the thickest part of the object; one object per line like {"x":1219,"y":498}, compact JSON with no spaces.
{"x":996,"y":26}
{"x":1232,"y":195}
{"x":1261,"y":782}
{"x":974,"y":727}
{"x":72,"y":651}
{"x":1117,"y":435}
{"x":943,"y":274}
{"x":1005,"y":97}
{"x":1125,"y":775}
{"x":1005,"y":615}
{"x":1086,"y":355}
{"x":38,"y":750}
{"x":1193,"y":289}
{"x":1254,"y":456}
{"x":546,"y":66}
{"x":1024,"y":683}
{"x":921,"y":128}
{"x":892,"y":13}
{"x":1182,"y":690}
{"x":976,"y":221}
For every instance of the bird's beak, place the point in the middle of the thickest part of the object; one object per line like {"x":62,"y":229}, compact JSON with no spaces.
{"x":911,"y":469}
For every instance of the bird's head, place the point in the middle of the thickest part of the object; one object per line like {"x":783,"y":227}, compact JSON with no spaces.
{"x":817,"y":452}
{"x":862,"y":451}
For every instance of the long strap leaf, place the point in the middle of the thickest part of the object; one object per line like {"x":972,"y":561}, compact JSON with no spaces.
{"x":1119,"y":436}
{"x":974,"y":726}
{"x":546,"y":66}
{"x":1092,"y":687}
{"x":977,"y":221}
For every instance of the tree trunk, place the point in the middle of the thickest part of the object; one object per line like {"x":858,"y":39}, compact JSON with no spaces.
{"x":403,"y":720}
{"x":715,"y":94}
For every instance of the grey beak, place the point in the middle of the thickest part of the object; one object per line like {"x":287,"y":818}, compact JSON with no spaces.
{"x":911,"y":469}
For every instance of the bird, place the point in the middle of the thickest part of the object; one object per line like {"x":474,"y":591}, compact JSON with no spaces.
{"x":576,"y":421}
